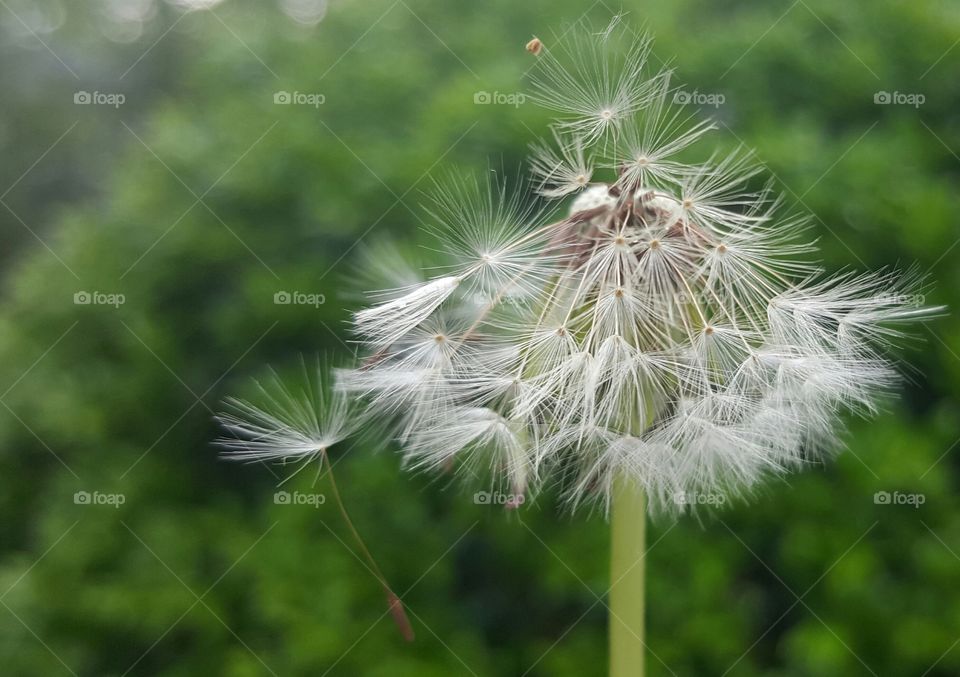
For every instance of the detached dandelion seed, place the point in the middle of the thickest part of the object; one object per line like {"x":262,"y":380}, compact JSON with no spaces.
{"x":299,"y":426}
{"x":290,"y":425}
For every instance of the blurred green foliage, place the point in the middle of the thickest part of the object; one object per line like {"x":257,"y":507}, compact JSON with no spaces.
{"x":198,"y":199}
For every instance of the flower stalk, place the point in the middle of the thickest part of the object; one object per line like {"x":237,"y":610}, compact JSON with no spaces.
{"x":627,"y":596}
{"x":394,"y":604}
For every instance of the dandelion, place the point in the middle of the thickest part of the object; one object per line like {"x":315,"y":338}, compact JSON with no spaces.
{"x":660,"y":337}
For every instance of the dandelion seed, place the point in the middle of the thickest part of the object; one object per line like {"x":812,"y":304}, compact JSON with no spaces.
{"x":593,"y":81}
{"x":563,"y":168}
{"x":287,"y":425}
{"x":388,"y":322}
{"x":646,"y":152}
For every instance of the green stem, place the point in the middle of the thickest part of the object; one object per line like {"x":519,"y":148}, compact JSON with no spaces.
{"x":394,"y":605}
{"x":627,"y":569}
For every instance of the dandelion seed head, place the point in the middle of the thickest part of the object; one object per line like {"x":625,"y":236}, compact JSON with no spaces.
{"x":661,"y":324}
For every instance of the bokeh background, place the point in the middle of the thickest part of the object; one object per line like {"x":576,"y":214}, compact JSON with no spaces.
{"x":198,"y":198}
